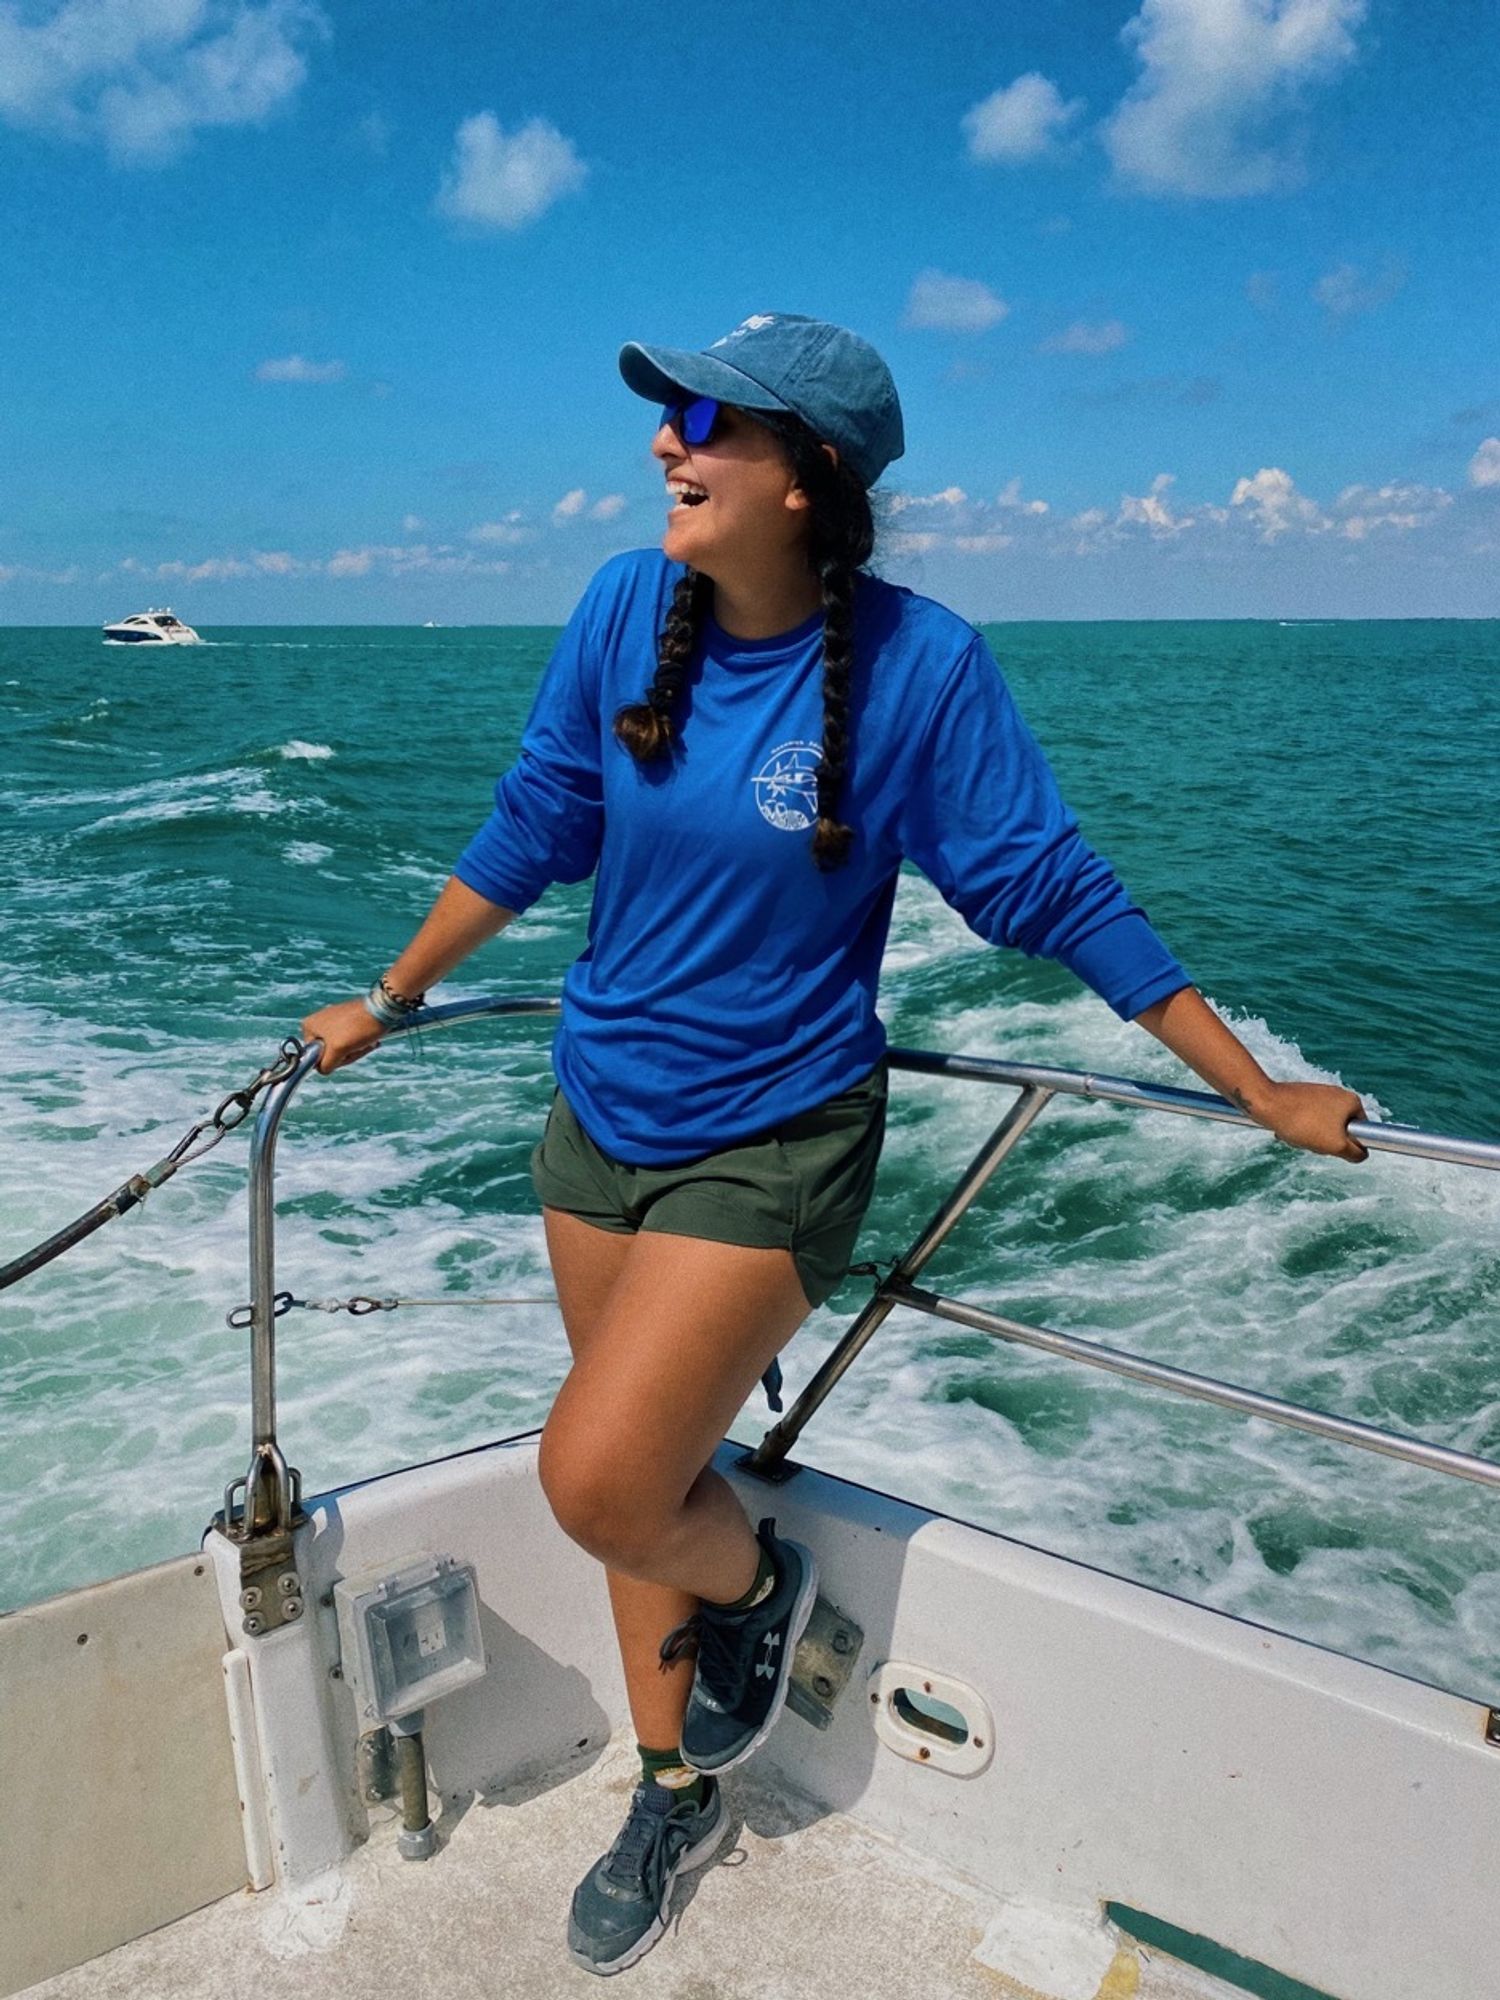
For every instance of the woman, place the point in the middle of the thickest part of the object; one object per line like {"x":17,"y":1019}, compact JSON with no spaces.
{"x":712,"y":1145}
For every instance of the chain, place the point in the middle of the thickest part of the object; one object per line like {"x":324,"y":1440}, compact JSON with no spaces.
{"x":230,"y":1112}
{"x":362,"y":1303}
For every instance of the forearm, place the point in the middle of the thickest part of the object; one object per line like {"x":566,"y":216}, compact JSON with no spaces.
{"x":459,"y":922}
{"x":1186,"y":1024}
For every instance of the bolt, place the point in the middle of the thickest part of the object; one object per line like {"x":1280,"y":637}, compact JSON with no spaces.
{"x":374,"y":1795}
{"x":291,"y":1607}
{"x":289,"y":1583}
{"x":335,"y":1673}
{"x":924,"y":1752}
{"x":822,"y":1685}
{"x":875,"y":1698}
{"x":842,"y":1641}
{"x":978,"y":1742}
{"x":254,"y":1625}
{"x":250,"y":1598}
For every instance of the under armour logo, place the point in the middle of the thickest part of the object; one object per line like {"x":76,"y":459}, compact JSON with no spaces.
{"x":767,"y":1666}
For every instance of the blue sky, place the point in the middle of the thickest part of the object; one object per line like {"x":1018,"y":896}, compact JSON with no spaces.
{"x":313,"y":309}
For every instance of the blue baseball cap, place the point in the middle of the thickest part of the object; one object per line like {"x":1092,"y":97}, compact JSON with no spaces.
{"x":830,"y":378}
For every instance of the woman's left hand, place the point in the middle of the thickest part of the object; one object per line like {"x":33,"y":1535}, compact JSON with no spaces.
{"x":1315,"y":1116}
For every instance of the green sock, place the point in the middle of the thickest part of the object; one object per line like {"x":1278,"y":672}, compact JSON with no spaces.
{"x":765,"y":1577}
{"x":667,"y":1768}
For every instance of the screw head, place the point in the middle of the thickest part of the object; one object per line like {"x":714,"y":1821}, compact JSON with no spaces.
{"x":289,"y":1584}
{"x":291,"y":1607}
{"x":250,"y":1597}
{"x":842,"y":1641}
{"x":254,"y":1625}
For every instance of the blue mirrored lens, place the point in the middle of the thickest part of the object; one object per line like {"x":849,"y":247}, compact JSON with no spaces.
{"x":693,"y":422}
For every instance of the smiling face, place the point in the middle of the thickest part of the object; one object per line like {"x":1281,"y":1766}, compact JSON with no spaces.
{"x":734,"y":503}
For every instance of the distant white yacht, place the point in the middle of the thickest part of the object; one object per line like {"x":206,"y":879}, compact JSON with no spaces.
{"x":151,"y":628}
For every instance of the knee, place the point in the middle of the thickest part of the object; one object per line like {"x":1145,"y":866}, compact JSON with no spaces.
{"x":596,"y":1505}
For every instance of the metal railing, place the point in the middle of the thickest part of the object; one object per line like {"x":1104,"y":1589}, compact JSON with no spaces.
{"x":272,"y":1488}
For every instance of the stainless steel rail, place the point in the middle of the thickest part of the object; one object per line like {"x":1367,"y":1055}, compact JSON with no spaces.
{"x":272,"y":1488}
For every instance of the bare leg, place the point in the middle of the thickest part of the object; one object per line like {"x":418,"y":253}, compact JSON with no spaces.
{"x":585,"y":1264}
{"x":670,"y":1334}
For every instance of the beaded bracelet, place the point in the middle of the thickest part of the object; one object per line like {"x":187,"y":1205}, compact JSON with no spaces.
{"x":391,"y":1010}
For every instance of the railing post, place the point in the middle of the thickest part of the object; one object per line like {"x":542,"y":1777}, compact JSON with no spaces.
{"x":769,"y":1454}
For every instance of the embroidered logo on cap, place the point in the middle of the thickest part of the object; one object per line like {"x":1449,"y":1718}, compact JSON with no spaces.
{"x":752,"y":325}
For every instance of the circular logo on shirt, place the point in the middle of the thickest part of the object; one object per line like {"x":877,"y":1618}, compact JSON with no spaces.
{"x":786,"y":786}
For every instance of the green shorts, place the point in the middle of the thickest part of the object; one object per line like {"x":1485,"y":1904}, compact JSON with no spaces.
{"x":801,"y":1186}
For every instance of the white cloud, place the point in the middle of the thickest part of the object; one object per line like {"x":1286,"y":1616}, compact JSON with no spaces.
{"x":982,"y":545}
{"x":1081,"y":338}
{"x":1484,"y":466}
{"x":351,"y":562}
{"x":607,"y":508}
{"x":297,"y":368}
{"x":1150,"y":510}
{"x":412,"y":524}
{"x":1009,"y":497}
{"x":571,"y":505}
{"x":951,"y":496}
{"x":277,"y":562}
{"x":1346,"y":289}
{"x":24,"y":573}
{"x":953,"y":305}
{"x":1208,"y":114}
{"x":1363,"y":508}
{"x":1020,"y":121}
{"x":508,"y":531}
{"x":503,"y":183}
{"x":145,"y":75}
{"x":1273,"y":502}
{"x":416,"y":559}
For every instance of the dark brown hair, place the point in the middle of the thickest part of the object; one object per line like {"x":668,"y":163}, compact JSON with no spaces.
{"x":841,"y":540}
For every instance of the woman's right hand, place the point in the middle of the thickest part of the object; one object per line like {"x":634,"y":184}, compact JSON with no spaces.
{"x":347,"y":1030}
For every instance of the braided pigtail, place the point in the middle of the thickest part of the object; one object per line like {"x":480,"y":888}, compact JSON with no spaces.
{"x":840,"y":542}
{"x":647,"y":727}
{"x":831,"y":842}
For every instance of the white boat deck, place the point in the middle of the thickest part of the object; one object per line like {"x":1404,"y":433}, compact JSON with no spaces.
{"x":797,"y":1901}
{"x":1304,"y":1811}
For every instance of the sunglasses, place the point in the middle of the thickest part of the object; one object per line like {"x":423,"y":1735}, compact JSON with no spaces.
{"x":694,"y":422}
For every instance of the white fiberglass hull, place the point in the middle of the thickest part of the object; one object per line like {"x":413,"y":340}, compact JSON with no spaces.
{"x":1125,"y":1752}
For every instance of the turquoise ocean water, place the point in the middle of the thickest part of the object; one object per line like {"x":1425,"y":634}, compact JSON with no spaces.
{"x":201,"y":845}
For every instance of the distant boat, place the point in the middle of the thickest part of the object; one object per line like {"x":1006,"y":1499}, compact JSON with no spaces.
{"x":431,"y":625}
{"x":151,"y":628}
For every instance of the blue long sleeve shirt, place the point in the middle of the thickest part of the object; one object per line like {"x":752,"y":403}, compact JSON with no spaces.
{"x":727,"y":982}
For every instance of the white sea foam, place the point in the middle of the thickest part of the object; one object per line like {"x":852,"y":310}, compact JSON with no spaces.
{"x":1201,"y":1244}
{"x":308,"y":752}
{"x":305,"y":853}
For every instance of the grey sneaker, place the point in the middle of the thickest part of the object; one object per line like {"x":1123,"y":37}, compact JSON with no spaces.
{"x":744,"y":1659}
{"x":620,"y":1906}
